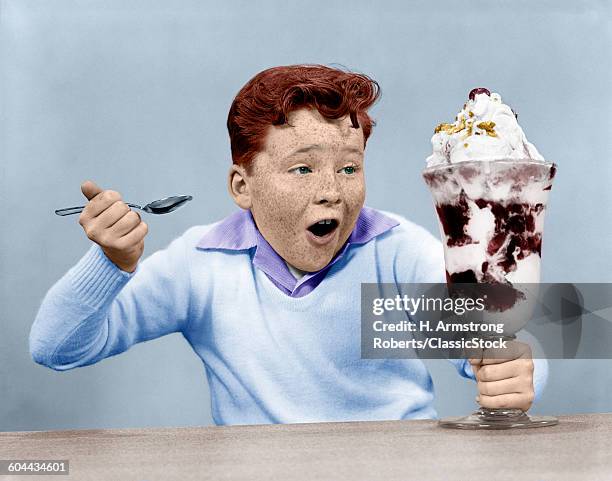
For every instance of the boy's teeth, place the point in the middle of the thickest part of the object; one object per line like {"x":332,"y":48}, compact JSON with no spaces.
{"x":326,"y":221}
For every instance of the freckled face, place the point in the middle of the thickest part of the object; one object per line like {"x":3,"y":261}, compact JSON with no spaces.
{"x":307,"y":187}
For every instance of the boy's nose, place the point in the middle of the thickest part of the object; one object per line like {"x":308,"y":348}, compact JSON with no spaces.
{"x":328,"y":191}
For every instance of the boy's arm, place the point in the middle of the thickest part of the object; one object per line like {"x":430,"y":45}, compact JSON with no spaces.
{"x":96,"y":310}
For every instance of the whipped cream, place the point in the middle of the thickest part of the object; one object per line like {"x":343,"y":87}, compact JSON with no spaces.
{"x":485,"y":129}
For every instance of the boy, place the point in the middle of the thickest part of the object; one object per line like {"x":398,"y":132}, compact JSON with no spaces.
{"x":268,"y":297}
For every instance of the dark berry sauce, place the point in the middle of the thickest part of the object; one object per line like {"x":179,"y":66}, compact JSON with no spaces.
{"x":454,"y":219}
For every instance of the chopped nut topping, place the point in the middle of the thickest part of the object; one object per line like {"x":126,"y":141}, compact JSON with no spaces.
{"x":488,"y":127}
{"x":458,"y":128}
{"x":444,"y":127}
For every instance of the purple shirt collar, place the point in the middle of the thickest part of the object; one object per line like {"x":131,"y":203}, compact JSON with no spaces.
{"x":239,"y":232}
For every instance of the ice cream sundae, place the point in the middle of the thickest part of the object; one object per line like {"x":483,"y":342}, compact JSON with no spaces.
{"x":490,"y":187}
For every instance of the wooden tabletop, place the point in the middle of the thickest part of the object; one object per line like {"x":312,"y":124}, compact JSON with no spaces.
{"x":580,"y":447}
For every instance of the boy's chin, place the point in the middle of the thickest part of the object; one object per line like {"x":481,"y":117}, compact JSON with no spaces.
{"x":314,"y":265}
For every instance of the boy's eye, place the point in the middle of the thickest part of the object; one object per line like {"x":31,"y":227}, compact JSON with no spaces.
{"x":301,"y":170}
{"x":349,"y":169}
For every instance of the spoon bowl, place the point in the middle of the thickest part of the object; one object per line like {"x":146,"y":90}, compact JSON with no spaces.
{"x":166,"y":205}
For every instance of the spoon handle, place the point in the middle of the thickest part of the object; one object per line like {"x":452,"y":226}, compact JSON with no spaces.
{"x":78,"y":210}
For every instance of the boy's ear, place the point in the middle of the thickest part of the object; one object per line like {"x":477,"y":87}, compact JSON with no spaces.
{"x":239,"y":187}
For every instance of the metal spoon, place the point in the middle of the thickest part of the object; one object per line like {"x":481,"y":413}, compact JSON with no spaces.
{"x":161,"y":206}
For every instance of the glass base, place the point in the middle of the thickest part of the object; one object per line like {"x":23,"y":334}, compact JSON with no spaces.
{"x":498,"y":419}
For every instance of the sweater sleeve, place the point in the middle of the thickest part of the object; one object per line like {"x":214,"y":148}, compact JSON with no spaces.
{"x":96,"y":310}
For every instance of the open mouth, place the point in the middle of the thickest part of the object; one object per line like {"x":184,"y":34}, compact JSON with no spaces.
{"x":323,"y":227}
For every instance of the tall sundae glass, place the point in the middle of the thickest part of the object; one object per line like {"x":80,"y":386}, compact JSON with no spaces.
{"x":490,"y":188}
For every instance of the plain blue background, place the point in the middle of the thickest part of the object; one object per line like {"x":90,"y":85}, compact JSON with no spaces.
{"x":135,"y":94}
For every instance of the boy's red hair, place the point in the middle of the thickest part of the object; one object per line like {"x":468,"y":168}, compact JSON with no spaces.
{"x":269,"y":97}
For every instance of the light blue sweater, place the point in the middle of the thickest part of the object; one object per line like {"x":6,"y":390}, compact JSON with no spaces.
{"x":269,"y":358}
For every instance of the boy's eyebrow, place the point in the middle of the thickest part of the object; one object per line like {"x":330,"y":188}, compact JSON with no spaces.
{"x":353,"y":149}
{"x":308,"y":148}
